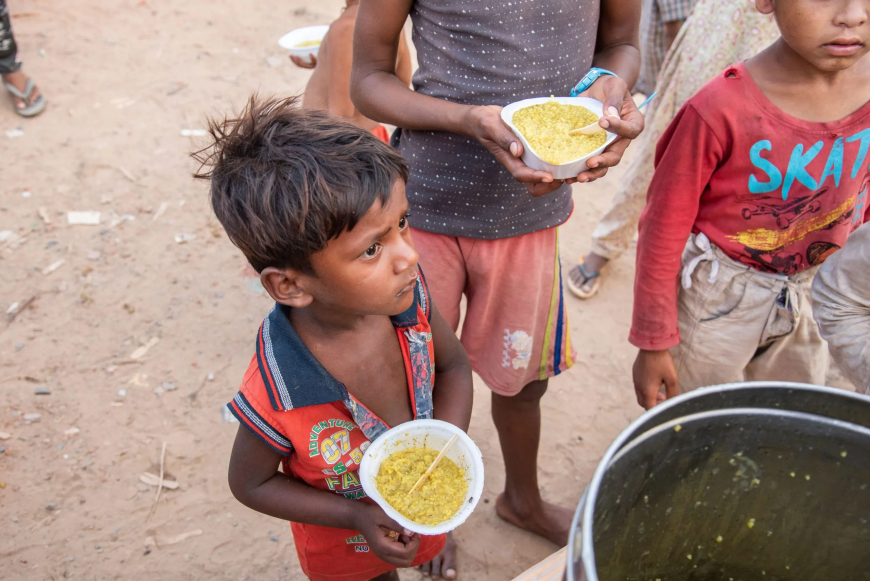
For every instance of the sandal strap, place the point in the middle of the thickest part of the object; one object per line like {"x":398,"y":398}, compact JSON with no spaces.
{"x":587,"y":276}
{"x":28,"y":90}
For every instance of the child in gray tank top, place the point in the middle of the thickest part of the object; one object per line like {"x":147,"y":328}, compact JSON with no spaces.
{"x":485,"y":223}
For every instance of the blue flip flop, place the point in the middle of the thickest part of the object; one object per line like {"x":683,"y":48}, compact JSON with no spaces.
{"x":31,"y":107}
{"x":593,"y":277}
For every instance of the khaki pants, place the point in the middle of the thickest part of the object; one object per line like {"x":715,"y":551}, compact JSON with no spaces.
{"x":739,"y":324}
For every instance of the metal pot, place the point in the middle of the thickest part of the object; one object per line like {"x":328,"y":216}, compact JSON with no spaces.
{"x":766,"y":481}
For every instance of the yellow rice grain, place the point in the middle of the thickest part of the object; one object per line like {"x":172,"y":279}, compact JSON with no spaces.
{"x":546,"y":128}
{"x":438,"y":498}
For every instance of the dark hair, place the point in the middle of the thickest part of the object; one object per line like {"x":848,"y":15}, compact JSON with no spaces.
{"x":286,"y":180}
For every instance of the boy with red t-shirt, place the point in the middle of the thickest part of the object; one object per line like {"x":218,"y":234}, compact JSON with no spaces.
{"x":765,"y":172}
{"x":353,"y":344}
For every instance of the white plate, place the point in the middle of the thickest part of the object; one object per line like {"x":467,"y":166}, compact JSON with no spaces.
{"x":432,"y":434}
{"x":569,"y":169}
{"x":294,"y":37}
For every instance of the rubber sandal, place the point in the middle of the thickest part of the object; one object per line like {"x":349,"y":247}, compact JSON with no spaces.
{"x":31,"y":108}
{"x":577,"y":290}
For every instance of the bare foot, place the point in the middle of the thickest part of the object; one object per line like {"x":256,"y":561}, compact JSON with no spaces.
{"x":19,"y":81}
{"x":547,"y":520}
{"x":444,"y":563}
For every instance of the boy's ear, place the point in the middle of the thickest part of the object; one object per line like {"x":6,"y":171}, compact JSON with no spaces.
{"x":764,"y":6}
{"x":284,"y":286}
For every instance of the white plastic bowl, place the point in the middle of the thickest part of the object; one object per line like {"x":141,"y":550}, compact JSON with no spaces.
{"x":308,"y":33}
{"x":569,"y":169}
{"x":432,"y":434}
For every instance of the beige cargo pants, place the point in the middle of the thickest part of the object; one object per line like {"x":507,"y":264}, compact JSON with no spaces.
{"x":739,"y":324}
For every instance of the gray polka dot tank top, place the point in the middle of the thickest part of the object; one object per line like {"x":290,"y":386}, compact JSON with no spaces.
{"x":480,"y":52}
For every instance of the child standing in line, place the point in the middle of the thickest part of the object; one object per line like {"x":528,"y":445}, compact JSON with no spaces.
{"x":763,"y":171}
{"x":329,"y":86}
{"x":353,"y":345}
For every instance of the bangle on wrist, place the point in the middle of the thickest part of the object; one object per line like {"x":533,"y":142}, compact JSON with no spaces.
{"x":590,"y":77}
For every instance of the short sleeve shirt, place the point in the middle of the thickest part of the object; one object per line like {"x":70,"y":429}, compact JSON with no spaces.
{"x":293,"y":404}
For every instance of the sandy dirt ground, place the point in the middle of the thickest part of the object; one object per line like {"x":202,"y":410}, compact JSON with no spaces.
{"x":124,"y":78}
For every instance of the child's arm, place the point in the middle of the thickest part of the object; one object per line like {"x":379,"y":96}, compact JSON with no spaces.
{"x":687,"y":155}
{"x":404,"y":66}
{"x":452,"y":394}
{"x":255,"y":482}
{"x":380,"y":95}
{"x":338,"y":64}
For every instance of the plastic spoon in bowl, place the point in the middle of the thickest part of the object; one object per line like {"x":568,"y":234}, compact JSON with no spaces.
{"x":434,"y":464}
{"x":595,"y":127}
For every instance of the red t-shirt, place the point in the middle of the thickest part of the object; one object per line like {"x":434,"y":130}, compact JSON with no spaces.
{"x":297,"y":408}
{"x":774,"y":192}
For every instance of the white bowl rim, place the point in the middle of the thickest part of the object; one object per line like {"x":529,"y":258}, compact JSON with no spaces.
{"x":507,"y":116}
{"x":286,"y":42}
{"x":475,"y":491}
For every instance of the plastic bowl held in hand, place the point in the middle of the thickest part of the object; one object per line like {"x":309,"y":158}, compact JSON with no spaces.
{"x":308,"y":34}
{"x":432,"y":434}
{"x":562,"y":171}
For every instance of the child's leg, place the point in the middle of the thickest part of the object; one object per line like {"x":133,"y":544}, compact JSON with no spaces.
{"x":518,"y":422}
{"x":616,"y":228}
{"x":8,"y":49}
{"x":801,"y":355}
{"x":516,"y":335}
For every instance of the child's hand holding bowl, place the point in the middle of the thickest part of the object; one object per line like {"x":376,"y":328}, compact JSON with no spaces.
{"x":484,"y":123}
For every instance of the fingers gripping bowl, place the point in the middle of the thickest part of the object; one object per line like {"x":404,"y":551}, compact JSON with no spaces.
{"x":431,"y":434}
{"x":533,"y":159}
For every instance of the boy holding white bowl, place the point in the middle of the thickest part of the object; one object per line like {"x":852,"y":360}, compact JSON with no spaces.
{"x":353,"y":345}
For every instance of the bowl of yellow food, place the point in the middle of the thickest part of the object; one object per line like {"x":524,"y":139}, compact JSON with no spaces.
{"x":395,"y":461}
{"x":542,"y":125}
{"x":304,"y":42}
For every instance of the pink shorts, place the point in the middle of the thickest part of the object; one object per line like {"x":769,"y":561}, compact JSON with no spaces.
{"x":516,"y":325}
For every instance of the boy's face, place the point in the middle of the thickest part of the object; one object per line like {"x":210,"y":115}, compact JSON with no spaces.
{"x":830,"y":34}
{"x":372,"y":269}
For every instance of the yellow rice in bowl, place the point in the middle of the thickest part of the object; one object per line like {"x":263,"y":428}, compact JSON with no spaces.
{"x":306,"y":43}
{"x":546,"y":128}
{"x":436,"y":500}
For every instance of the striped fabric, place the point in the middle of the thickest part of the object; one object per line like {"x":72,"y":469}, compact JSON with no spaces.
{"x":557,"y":340}
{"x":652,"y":37}
{"x":259,"y":426}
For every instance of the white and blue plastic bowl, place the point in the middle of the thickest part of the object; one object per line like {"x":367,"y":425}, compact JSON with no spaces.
{"x":306,"y":34}
{"x":569,"y":169}
{"x":432,"y":434}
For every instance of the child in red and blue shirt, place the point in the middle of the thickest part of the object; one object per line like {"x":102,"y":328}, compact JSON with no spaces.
{"x":766,"y":172}
{"x":353,"y":345}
